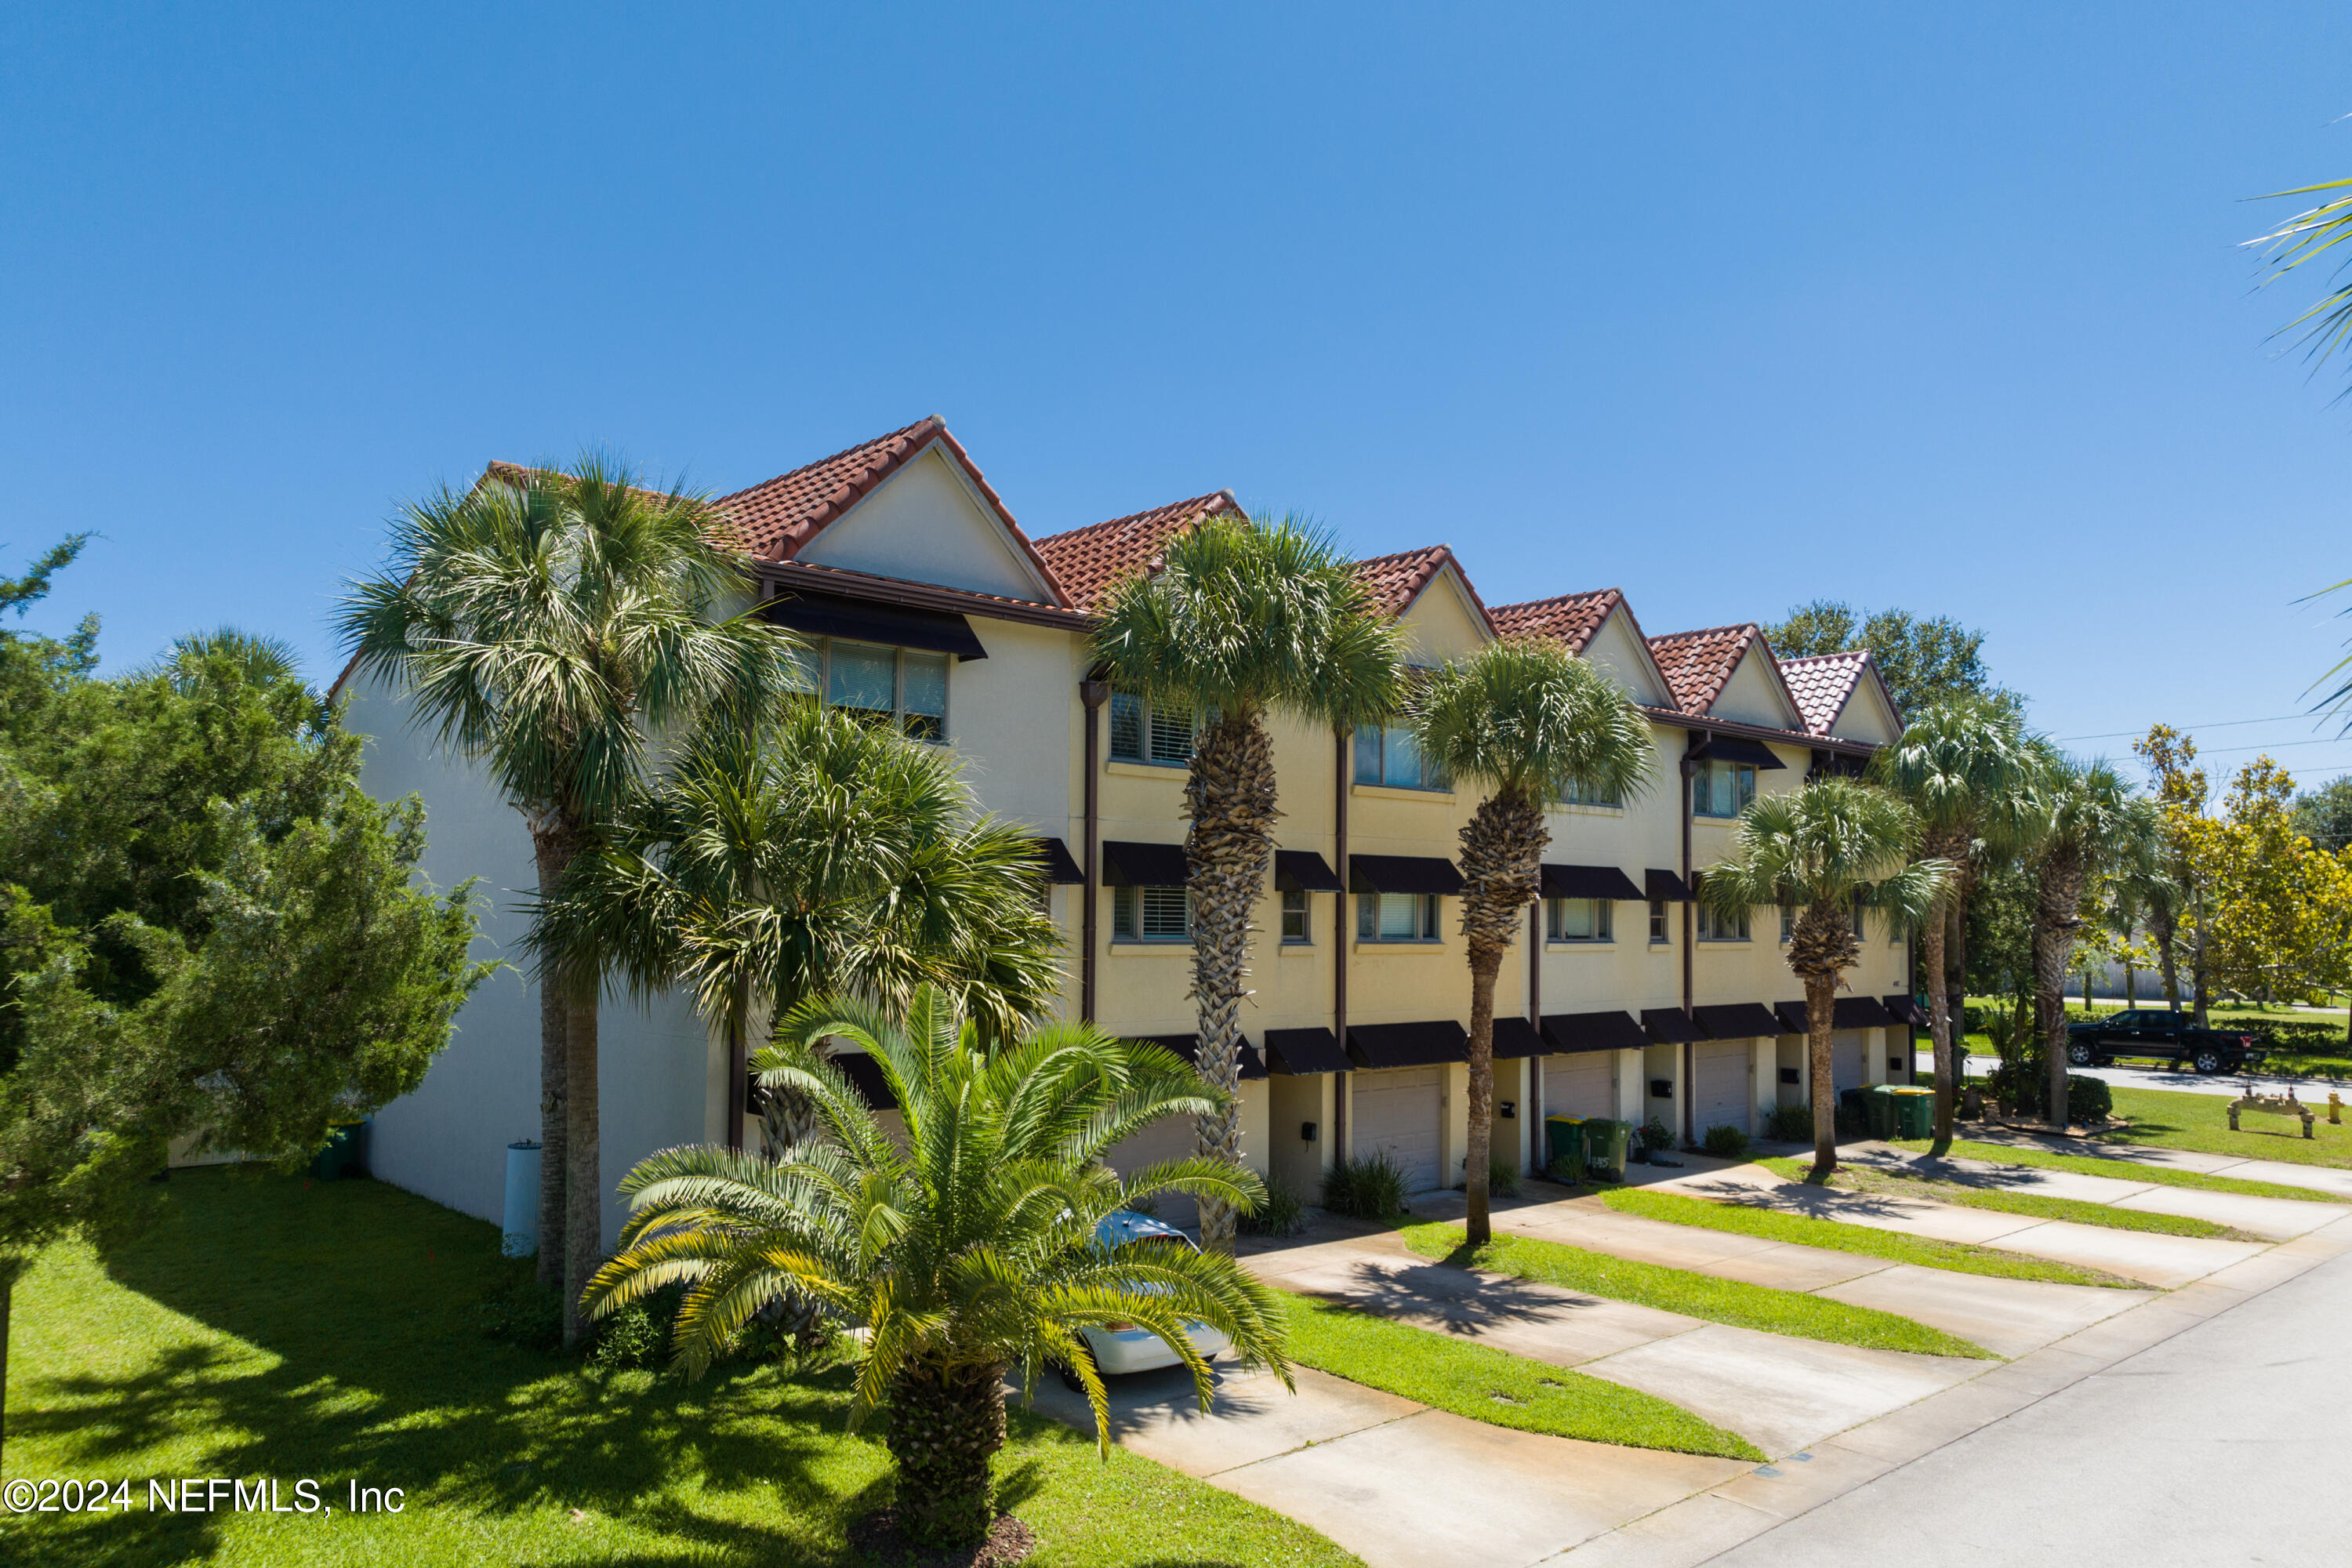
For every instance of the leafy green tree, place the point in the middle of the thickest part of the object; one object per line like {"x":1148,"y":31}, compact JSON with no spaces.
{"x":2092,"y":827}
{"x":547,"y":626}
{"x":1531,"y":723}
{"x":2176,"y":900}
{"x":2323,"y":814}
{"x":35,"y":670}
{"x":1923,"y":660}
{"x":1826,"y":849}
{"x":2279,"y":913}
{"x":967,"y":1250}
{"x":1242,"y":621}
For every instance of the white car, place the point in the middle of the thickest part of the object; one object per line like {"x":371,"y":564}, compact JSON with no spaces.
{"x":1120,"y":1350}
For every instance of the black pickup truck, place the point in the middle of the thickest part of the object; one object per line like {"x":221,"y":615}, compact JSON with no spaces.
{"x":2163,"y":1034}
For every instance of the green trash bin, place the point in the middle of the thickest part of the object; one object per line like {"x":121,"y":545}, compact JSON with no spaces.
{"x":1912,"y":1111}
{"x":1604,"y":1149}
{"x":1878,"y":1109}
{"x":1566,"y":1134}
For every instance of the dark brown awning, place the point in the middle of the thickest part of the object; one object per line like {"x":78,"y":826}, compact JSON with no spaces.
{"x":1516,"y":1038}
{"x":1669,"y":1027}
{"x":1794,"y":1020}
{"x":1730,"y":748}
{"x":1407,"y":1044}
{"x":1737,"y":1020}
{"x":1906,"y":1010}
{"x":1613,"y":1029}
{"x":1188,"y":1046}
{"x":1664,"y":885}
{"x":1305,"y":871}
{"x":1299,"y":1052}
{"x":864,"y":1075}
{"x":1401,"y":874}
{"x":1863,"y":1013}
{"x":863,"y":620}
{"x":1133,"y":865}
{"x":1589,"y":882}
{"x":1060,"y":869}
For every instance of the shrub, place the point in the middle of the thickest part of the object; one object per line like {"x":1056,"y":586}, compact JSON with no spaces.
{"x":1725,"y":1142}
{"x":1284,"y":1212}
{"x":1369,"y":1186}
{"x":2087,"y":1098}
{"x":638,"y":1334}
{"x":1502,"y":1176}
{"x":1656,"y":1137}
{"x":1790,"y":1124}
{"x":526,"y":1313}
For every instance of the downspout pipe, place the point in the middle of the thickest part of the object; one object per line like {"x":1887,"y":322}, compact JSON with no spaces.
{"x":1532,"y":1118}
{"x":1092,"y":694}
{"x":1341,"y":756}
{"x":1694,"y":739}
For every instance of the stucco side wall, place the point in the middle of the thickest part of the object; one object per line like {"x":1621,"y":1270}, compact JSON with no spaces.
{"x":1753,"y":695}
{"x":925,"y":525}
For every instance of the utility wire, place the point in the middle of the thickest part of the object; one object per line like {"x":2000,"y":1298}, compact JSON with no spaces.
{"x":2189,"y":729}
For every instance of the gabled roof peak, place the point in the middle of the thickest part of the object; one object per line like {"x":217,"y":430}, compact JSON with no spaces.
{"x":1396,"y":580}
{"x":1824,"y":683}
{"x":1698,"y":665}
{"x":1091,"y":561}
{"x":1571,"y":618}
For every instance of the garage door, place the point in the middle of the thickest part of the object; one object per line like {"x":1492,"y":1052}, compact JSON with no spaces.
{"x":1173,"y":1138}
{"x":1580,"y":1085}
{"x":1395,"y":1109}
{"x":1845,"y":1061}
{"x":1720,"y":1095}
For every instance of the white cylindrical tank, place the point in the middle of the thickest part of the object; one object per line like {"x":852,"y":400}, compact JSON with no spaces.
{"x":522,"y":1226}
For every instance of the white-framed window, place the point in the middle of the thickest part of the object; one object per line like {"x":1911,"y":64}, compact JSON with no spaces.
{"x":1387,"y":754}
{"x":1713,"y":927}
{"x":1787,"y":921}
{"x":1295,"y":928}
{"x":1143,"y":732}
{"x":1151,"y":914}
{"x":1580,"y":919}
{"x":1396,"y":917}
{"x":1658,"y":930}
{"x":1721,"y":789}
{"x":1578,"y":794}
{"x":1858,"y":929}
{"x":901,"y":688}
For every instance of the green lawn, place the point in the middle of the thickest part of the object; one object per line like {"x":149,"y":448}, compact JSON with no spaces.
{"x":1869,"y":1179}
{"x":270,"y":1327}
{"x":1791,"y":1313}
{"x":1495,"y":1387}
{"x":1896,"y":1246}
{"x":2118,"y":1167}
{"x":2201,"y":1123}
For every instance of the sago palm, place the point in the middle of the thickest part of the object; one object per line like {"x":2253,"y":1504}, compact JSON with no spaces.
{"x":2092,"y":827}
{"x":1242,"y":621}
{"x":1821,"y":850}
{"x":543,"y":626}
{"x":967,"y":1252}
{"x":1966,"y":769}
{"x":803,"y":853}
{"x":1530,"y":721}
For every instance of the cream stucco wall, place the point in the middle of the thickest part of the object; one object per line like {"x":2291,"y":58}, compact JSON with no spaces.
{"x":925,"y":525}
{"x":1755,"y":695}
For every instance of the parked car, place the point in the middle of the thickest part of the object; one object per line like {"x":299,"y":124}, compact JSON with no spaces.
{"x":2164,"y":1035}
{"x":1119,"y":1351}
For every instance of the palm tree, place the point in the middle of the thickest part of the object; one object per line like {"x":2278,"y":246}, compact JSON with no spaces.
{"x":804,"y":853}
{"x":1827,"y":850}
{"x":2093,"y":827}
{"x":1967,"y":771}
{"x":1242,"y":621}
{"x":1531,"y":721}
{"x":544,"y":627}
{"x":967,"y":1251}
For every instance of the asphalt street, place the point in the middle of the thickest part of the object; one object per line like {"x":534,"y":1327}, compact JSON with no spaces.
{"x":2230,"y":1084}
{"x":2223,"y":1445}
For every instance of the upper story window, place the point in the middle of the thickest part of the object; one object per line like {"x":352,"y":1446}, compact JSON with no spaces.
{"x":1787,"y":921}
{"x":1295,"y":927}
{"x":900,"y":688}
{"x":1580,"y":919}
{"x":1143,"y":732}
{"x":1396,"y":917}
{"x":1386,"y":754}
{"x":1713,"y":927}
{"x":1578,"y":794}
{"x":1658,"y":920}
{"x":1720,"y":788}
{"x":1151,"y":914}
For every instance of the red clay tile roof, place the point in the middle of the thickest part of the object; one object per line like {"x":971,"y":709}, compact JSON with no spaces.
{"x":1396,"y":580}
{"x":1089,"y":561}
{"x":1570,"y":618}
{"x":1698,"y":665}
{"x":1824,"y":683}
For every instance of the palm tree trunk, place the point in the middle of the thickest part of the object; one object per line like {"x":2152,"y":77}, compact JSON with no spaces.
{"x":2057,"y":916}
{"x":1229,"y":796}
{"x":1478,"y":1152}
{"x":552,"y":852}
{"x":1502,"y":868}
{"x":1956,"y":952}
{"x":584,"y":1230}
{"x":946,"y":1426}
{"x":2165,"y":927}
{"x":1939,"y":1031}
{"x":1820,"y":1007}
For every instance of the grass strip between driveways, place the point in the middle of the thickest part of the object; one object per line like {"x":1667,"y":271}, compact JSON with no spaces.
{"x":2200,"y":1122}
{"x":1487,"y":1384}
{"x":2034,"y":1205}
{"x":1732,"y":1301}
{"x":1894,"y":1246}
{"x":2119,"y":1168}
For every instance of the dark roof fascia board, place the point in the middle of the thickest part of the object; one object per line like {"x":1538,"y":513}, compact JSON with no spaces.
{"x":1793,"y":738}
{"x":793,"y":576}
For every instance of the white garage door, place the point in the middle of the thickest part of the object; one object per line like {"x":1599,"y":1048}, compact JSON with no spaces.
{"x":1721,"y":1095}
{"x":1845,"y":1061}
{"x":1580,"y":1085}
{"x":1395,"y":1109}
{"x":1172,"y":1137}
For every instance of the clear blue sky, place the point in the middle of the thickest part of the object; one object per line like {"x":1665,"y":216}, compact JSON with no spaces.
{"x":1731,"y":307}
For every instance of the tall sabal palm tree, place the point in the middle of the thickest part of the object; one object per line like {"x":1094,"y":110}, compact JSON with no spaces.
{"x":1968,"y":770}
{"x":967,"y":1250}
{"x":2092,"y":827}
{"x":804,"y":852}
{"x":1530,"y":721}
{"x":545,"y":626}
{"x":1244,"y":620}
{"x":1825,"y":850}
